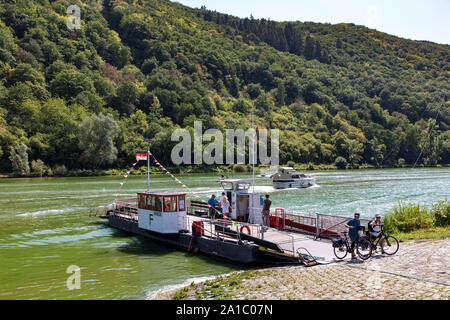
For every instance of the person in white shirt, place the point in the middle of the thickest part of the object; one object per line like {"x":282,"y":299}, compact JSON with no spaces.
{"x":376,"y":226}
{"x":225,"y":204}
{"x":221,"y":197}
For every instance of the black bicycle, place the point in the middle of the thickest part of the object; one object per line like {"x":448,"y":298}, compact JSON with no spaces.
{"x":388,"y":244}
{"x":342,"y":246}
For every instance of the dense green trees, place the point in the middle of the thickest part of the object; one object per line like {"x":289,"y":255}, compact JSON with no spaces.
{"x":96,"y":136}
{"x":340,"y":94}
{"x":19,"y":159}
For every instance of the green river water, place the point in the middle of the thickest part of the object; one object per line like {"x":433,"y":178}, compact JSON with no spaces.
{"x":45,"y":228}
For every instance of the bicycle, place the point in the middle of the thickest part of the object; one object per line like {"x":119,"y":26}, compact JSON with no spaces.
{"x":342,"y":246}
{"x":389,"y":245}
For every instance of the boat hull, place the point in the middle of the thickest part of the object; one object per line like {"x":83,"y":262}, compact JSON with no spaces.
{"x":239,"y":253}
{"x":297,"y":183}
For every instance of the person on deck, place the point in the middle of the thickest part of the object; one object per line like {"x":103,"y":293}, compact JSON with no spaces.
{"x":266,"y":211}
{"x":225,"y":205}
{"x":353,"y":226}
{"x":212,"y":202}
{"x":221,"y":200}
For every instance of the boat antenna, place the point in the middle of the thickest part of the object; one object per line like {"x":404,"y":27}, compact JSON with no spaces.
{"x":148,"y":163}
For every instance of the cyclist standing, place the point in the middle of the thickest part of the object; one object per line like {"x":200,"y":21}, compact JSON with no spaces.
{"x":375,"y":228}
{"x":353,"y":226}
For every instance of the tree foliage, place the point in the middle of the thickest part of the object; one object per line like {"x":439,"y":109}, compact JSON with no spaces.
{"x":154,"y":65}
{"x":97,"y":135}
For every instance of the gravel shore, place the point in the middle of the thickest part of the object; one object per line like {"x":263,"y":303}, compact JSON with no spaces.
{"x":420,"y":270}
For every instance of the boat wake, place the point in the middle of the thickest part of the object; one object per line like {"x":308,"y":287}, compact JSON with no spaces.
{"x":51,"y":211}
{"x":153,"y":294}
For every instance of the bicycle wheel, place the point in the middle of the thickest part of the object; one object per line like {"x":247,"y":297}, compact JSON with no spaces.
{"x":341,"y":252}
{"x":364,"y":248}
{"x":389,"y":245}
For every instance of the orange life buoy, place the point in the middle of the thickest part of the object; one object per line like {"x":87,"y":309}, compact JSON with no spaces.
{"x":248,"y":229}
{"x":167,"y":205}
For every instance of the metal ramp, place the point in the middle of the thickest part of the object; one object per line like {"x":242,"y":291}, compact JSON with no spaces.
{"x":307,"y":259}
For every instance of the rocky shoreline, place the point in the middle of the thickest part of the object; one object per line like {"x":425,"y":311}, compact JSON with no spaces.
{"x":419,"y":271}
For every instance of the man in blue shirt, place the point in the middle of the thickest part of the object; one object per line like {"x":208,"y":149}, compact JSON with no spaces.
{"x":353,"y":226}
{"x":212,"y":202}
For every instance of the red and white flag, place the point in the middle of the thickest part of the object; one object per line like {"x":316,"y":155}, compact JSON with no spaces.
{"x":141,"y":155}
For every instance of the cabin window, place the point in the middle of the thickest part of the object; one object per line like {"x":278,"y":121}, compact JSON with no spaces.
{"x":149,"y":203}
{"x":181,"y":203}
{"x":295,"y":177}
{"x":227,"y":185}
{"x":158,"y":204}
{"x":170,"y":204}
{"x":141,"y":201}
{"x":243,"y":186}
{"x":153,"y":204}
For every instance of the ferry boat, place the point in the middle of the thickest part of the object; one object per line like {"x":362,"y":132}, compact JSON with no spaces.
{"x":287,"y":178}
{"x":174,"y":218}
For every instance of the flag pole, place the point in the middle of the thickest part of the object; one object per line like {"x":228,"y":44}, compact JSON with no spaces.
{"x":148,"y":164}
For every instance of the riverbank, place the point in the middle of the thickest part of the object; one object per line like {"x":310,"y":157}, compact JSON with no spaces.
{"x":61,"y":171}
{"x":419,"y":271}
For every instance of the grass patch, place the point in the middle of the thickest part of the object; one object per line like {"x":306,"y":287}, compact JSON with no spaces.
{"x":434,"y":233}
{"x":181,"y":294}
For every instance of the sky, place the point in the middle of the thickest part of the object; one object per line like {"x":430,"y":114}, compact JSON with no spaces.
{"x":413,"y":19}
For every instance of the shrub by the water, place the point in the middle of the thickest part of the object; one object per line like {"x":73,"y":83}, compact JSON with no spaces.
{"x":410,"y":217}
{"x":340,"y":163}
{"x":291,"y":164}
{"x":38,"y":168}
{"x":407,"y":217}
{"x":441,"y":213}
{"x":60,"y":170}
{"x":239,"y":168}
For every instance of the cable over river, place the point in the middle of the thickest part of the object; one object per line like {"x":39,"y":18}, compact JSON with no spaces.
{"x":45,"y":228}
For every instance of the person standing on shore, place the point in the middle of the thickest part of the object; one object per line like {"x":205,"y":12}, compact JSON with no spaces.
{"x":375,"y":228}
{"x":353,"y":226}
{"x":266,"y":211}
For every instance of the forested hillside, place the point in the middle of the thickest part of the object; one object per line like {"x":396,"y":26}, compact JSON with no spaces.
{"x":87,"y":98}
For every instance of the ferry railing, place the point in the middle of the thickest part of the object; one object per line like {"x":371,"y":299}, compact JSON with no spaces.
{"x":254,"y":230}
{"x":126,"y":203}
{"x":321,"y":225}
{"x":210,"y":227}
{"x":126,"y":208}
{"x":198,"y":207}
{"x":292,"y":220}
{"x":329,"y":226}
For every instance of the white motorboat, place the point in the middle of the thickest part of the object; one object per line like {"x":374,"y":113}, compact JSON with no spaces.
{"x":289,"y":178}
